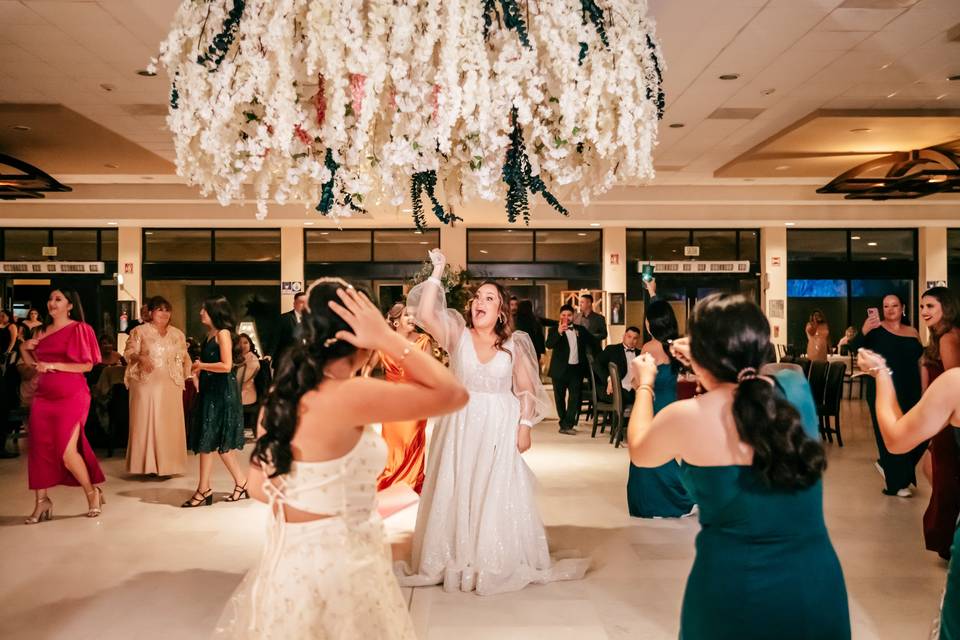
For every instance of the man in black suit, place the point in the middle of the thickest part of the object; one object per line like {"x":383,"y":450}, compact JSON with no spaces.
{"x":621,"y":355}
{"x":290,"y":328}
{"x":568,"y":365}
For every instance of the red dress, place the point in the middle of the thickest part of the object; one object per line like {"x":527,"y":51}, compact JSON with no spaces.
{"x":60,"y":407}
{"x":940,"y":518}
{"x":406,"y":441}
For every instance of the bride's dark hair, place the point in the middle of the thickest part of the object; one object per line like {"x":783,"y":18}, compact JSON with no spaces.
{"x":301,"y":370}
{"x":501,"y":328}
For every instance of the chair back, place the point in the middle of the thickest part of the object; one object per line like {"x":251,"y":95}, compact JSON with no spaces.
{"x":591,"y":380}
{"x":818,"y":379}
{"x":773,"y":367}
{"x":833,"y":387}
{"x":617,"y":388}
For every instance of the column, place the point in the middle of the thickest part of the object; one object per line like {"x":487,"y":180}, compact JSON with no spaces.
{"x":130,"y":265}
{"x":453,"y":243}
{"x":932,"y":255}
{"x":614,"y":276}
{"x":773,"y":270}
{"x":291,"y":263}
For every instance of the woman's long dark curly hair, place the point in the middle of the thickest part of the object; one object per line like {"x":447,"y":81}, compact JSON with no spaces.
{"x":222,"y":318}
{"x":728,"y":334}
{"x":502,"y":327}
{"x":950,"y":305}
{"x":663,"y":328}
{"x":300,"y":370}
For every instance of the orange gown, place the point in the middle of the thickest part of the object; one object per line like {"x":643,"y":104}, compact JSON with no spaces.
{"x":406,"y":441}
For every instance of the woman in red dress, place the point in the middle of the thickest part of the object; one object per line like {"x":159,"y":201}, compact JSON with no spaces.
{"x":940,"y":311}
{"x":407,"y":440}
{"x":65,"y":349}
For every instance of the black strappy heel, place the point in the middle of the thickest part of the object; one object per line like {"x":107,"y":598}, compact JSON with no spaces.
{"x":239,"y":493}
{"x":205,"y":499}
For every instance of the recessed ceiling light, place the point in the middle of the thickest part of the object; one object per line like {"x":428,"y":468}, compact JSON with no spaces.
{"x":854,"y":237}
{"x":308,"y":223}
{"x":111,"y":165}
{"x":113,"y":224}
{"x":424,"y":242}
{"x":324,"y":233}
{"x":890,"y":95}
{"x":954,"y":78}
{"x":677,"y":125}
{"x":730,"y":76}
{"x":107,"y":87}
{"x":148,"y":233}
{"x":886,"y":66}
{"x":594,"y":224}
{"x":484,"y":251}
{"x":782,"y":167}
{"x":768,"y":92}
{"x":883,"y":257}
{"x":146,"y":73}
{"x":871,"y":244}
{"x":417,"y":232}
{"x":942,"y":96}
{"x":582,"y":235}
{"x":509,"y":230}
{"x":20,"y":127}
{"x":790,"y":224}
{"x":861,"y":130}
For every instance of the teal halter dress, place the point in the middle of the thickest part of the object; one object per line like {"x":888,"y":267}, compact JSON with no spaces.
{"x":765,"y":567}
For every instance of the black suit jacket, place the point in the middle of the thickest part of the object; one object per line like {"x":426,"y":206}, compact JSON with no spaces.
{"x":287,"y":336}
{"x":559,"y":362}
{"x":613,"y":353}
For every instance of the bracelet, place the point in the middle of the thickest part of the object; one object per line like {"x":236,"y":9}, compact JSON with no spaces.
{"x":878,"y":370}
{"x":647,"y":387}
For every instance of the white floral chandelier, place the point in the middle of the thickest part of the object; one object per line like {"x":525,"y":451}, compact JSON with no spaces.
{"x":334,"y":102}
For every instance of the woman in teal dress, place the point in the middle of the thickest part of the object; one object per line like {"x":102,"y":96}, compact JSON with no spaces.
{"x":938,"y":407}
{"x":765,"y":566}
{"x":659,"y":492}
{"x":218,"y":413}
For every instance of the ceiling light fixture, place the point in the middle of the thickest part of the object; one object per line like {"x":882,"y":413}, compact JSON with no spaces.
{"x":730,"y":76}
{"x":871,"y":244}
{"x":854,"y":237}
{"x":21,"y":127}
{"x":677,"y":125}
{"x":886,"y":66}
{"x":782,"y":167}
{"x":484,"y":251}
{"x":942,"y":96}
{"x":107,"y":87}
{"x":146,"y":73}
{"x":308,"y":224}
{"x":424,"y":242}
{"x":890,"y":95}
{"x":582,"y":235}
{"x":954,"y":78}
{"x":861,"y":130}
{"x":594,"y":224}
{"x":790,"y":224}
{"x":113,"y":223}
{"x":768,"y":92}
{"x":324,"y":233}
{"x":883,"y":257}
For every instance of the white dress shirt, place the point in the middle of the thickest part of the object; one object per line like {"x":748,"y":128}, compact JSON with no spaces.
{"x":574,"y":357}
{"x":627,"y":382}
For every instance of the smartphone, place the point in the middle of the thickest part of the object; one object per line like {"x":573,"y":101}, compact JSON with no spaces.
{"x":646,"y":272}
{"x":873,"y":313}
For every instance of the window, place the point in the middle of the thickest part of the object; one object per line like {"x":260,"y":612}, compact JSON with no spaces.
{"x":24,"y":244}
{"x":339,"y":245}
{"x":75,"y":244}
{"x":749,"y":246}
{"x":403,"y":245}
{"x":882,"y":244}
{"x":109,"y":247}
{"x":507,"y":245}
{"x":568,"y":246}
{"x":816,"y":244}
{"x":666,"y":244}
{"x":177,"y":245}
{"x":716,"y":245}
{"x":247,"y":245}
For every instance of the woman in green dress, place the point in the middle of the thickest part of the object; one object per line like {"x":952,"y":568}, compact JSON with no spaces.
{"x":938,"y":407}
{"x":218,"y":414}
{"x":765,"y":566}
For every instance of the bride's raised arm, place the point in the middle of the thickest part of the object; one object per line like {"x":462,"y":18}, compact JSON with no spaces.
{"x":427,"y":302}
{"x":534,"y":401}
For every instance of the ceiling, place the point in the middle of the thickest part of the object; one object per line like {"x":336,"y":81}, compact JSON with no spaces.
{"x":68,"y":71}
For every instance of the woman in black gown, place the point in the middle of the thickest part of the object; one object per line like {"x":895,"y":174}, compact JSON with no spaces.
{"x":900,"y":345}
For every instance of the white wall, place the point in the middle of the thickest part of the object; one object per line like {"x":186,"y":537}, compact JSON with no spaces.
{"x":932,"y":254}
{"x":773,"y":267}
{"x":614,"y":274}
{"x":291,"y":261}
{"x":130,"y":263}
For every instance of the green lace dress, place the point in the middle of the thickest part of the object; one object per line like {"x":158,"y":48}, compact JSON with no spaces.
{"x":765,"y":567}
{"x":218,"y":415}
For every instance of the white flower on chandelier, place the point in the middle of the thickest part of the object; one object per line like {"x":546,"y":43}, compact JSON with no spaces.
{"x":329,"y":103}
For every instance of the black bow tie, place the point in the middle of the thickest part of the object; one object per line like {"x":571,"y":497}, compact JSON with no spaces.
{"x":628,"y":350}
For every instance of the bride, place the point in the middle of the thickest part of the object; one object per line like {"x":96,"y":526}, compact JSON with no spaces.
{"x":478,"y":528}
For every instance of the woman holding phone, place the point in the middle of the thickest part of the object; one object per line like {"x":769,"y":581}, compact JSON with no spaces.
{"x":889,"y":335}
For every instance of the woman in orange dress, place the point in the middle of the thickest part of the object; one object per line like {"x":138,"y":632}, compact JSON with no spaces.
{"x":406,"y":441}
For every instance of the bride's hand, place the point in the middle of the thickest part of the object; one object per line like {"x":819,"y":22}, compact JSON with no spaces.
{"x":370,"y":331}
{"x":523,"y":438}
{"x":439,"y":262}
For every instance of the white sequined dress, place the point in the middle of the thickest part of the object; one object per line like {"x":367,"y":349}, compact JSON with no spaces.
{"x":478,"y":527}
{"x":327,"y":579}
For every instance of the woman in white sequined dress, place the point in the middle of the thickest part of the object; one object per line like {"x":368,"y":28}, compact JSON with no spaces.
{"x":326,"y":568}
{"x":478,"y":527}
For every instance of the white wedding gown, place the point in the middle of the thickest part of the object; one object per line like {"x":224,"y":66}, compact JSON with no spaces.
{"x":478,"y":528}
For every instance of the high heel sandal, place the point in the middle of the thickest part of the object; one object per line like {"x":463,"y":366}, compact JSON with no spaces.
{"x":199,"y":499}
{"x":239,"y":493}
{"x":93,"y":512}
{"x":44,"y":514}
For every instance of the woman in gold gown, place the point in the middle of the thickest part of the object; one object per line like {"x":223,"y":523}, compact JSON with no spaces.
{"x":406,"y":441}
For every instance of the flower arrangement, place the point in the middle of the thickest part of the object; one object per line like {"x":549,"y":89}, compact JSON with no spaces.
{"x":330,"y":103}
